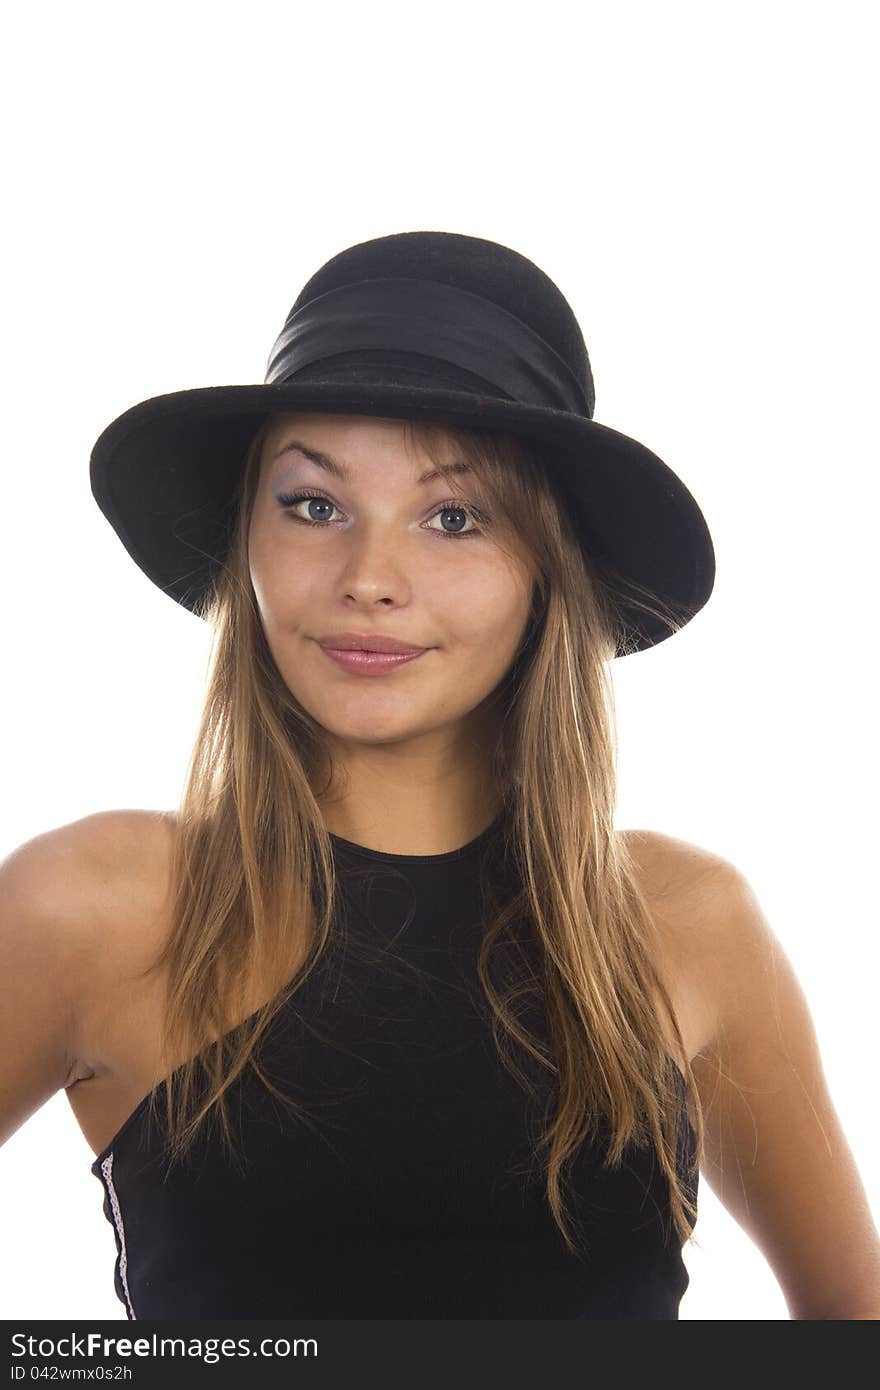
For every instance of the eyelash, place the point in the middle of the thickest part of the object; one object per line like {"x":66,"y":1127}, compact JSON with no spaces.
{"x":289,"y":500}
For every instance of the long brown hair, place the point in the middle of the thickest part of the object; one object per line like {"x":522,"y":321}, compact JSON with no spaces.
{"x":252,"y":880}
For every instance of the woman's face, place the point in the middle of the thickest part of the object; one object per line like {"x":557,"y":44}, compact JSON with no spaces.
{"x":383,"y":558}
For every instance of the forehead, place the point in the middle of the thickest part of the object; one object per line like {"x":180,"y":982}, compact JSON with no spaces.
{"x":343,"y":445}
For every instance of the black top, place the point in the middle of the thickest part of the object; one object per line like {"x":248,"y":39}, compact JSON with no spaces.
{"x":408,"y":1192}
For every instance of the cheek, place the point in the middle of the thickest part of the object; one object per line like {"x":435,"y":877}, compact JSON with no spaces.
{"x":489,"y":606}
{"x":281,"y":585}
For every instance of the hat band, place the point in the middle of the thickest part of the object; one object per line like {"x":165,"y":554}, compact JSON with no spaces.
{"x":433,"y":320}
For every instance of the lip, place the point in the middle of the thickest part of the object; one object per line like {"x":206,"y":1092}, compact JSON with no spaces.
{"x":367,"y":642}
{"x":371,"y":663}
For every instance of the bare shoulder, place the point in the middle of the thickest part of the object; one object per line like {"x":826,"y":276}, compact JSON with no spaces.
{"x":107,"y":866}
{"x":684,"y":881}
{"x":104,"y":880}
{"x":691,"y":892}
{"x":107,"y":839}
{"x":59,"y":891}
{"x":71,"y":869}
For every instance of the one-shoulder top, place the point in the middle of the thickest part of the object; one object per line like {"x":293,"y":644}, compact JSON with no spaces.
{"x":412,"y":1190}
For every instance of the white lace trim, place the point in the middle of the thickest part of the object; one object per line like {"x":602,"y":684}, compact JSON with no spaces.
{"x":107,"y":1170}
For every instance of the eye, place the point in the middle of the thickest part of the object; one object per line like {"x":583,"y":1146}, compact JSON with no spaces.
{"x":290,"y":500}
{"x":454,"y":505}
{"x":457,"y":507}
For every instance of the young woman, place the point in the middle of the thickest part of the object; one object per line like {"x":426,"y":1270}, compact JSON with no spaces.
{"x":387,"y":1019}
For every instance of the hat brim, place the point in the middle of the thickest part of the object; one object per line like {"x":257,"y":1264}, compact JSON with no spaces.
{"x":164,"y":474}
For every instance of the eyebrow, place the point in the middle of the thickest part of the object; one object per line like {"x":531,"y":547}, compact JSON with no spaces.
{"x":339,"y":470}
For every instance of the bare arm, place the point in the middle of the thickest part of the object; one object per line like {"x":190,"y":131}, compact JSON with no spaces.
{"x":43,"y":952}
{"x":777,"y":1156}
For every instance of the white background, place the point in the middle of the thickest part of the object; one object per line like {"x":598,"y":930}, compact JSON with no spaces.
{"x":698,"y":180}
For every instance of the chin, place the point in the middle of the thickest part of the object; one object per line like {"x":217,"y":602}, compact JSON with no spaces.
{"x":376,"y":726}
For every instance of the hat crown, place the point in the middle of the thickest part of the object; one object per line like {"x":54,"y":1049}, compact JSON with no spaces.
{"x":486,"y":268}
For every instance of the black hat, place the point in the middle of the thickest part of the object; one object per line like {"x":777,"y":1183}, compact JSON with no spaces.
{"x":418,"y":325}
